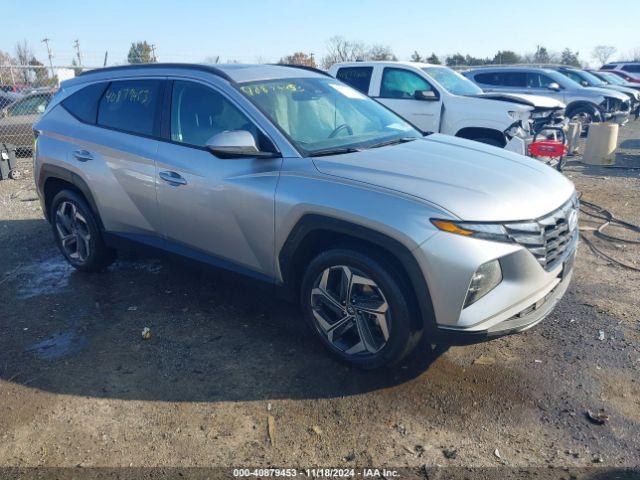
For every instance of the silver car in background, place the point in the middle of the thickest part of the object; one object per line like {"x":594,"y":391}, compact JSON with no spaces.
{"x":293,"y":178}
{"x":584,"y":104}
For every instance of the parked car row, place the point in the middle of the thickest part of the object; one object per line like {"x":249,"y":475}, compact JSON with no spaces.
{"x":435,"y":98}
{"x":502,"y":106}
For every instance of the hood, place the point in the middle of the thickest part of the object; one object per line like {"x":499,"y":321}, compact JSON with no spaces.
{"x":473,"y":181}
{"x":608,"y":93}
{"x":536,"y":101}
{"x":626,"y":90}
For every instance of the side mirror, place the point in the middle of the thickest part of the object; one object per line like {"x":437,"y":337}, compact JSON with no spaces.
{"x":235,"y":144}
{"x":427,"y":95}
{"x":554,"y":86}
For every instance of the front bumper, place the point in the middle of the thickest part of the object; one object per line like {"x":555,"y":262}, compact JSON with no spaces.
{"x":526,"y":295}
{"x":621,"y":118}
{"x":520,"y":322}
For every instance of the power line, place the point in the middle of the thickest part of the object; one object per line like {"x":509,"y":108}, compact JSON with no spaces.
{"x":76,"y":45}
{"x":49,"y":54}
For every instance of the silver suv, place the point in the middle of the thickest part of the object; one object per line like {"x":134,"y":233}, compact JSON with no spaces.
{"x":295,"y":179}
{"x":584,"y":104}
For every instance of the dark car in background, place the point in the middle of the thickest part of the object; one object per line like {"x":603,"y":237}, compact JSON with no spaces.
{"x":17,"y":119}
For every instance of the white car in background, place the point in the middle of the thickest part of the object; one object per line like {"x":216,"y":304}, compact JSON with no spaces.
{"x":437,"y":99}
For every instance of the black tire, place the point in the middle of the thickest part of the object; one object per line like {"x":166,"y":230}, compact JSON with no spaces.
{"x":586,"y":115}
{"x":99,"y":255}
{"x":401,"y":339}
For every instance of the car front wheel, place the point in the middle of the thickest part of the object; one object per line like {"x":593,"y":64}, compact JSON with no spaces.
{"x":356,"y":306}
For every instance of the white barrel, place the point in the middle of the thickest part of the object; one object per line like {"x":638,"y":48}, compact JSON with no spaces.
{"x":573,"y":136}
{"x":601,"y":144}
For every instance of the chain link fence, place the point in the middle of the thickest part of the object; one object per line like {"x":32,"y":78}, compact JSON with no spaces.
{"x":25,"y":92}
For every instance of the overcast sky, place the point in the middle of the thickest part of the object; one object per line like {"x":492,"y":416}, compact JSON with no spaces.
{"x":191,"y":30}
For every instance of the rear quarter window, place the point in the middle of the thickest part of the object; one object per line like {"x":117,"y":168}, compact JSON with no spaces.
{"x":84,"y":103}
{"x":356,"y":77}
{"x":131,"y":106}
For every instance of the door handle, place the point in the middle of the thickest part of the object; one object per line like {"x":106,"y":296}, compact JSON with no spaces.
{"x":172,"y":178}
{"x":82,"y":155}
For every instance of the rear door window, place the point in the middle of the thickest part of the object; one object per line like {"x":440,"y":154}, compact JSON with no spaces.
{"x":488,"y":78}
{"x":538,"y":80}
{"x":84,"y":103}
{"x":514,"y":79}
{"x":356,"y":77}
{"x":131,"y":106}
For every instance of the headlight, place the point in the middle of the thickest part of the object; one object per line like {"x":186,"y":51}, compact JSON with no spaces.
{"x":485,"y":279}
{"x":540,"y":114}
{"x":517,"y":115}
{"x":485,"y":231}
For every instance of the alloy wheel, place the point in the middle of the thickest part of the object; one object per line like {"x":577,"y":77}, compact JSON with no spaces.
{"x":350,"y":310}
{"x":73,"y":231}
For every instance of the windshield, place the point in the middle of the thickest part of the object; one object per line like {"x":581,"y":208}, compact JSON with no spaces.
{"x":452,"y":81}
{"x":591,"y":79}
{"x":612,"y":78}
{"x":322,"y":115}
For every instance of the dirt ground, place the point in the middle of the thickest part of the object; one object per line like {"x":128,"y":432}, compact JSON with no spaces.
{"x":79,"y":386}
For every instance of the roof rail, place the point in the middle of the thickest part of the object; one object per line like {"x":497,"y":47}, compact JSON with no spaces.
{"x":303,"y":67}
{"x":151,"y":66}
{"x":513,"y":65}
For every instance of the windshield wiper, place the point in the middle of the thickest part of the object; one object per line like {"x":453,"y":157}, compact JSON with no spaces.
{"x":392,"y":142}
{"x":334,"y":151}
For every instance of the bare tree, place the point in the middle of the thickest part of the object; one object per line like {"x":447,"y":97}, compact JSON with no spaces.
{"x":602,"y":53}
{"x":341,"y":50}
{"x":635,"y":54}
{"x":23,"y":55}
{"x":380,"y":52}
{"x":212,"y":59}
{"x":299,"y":58}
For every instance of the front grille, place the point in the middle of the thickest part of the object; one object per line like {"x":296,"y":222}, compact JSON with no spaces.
{"x":549,"y":237}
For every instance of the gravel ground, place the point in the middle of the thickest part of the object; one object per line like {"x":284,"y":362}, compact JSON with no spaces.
{"x":79,"y":386}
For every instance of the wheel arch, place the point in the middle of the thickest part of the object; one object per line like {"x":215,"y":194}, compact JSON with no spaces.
{"x":582,"y":104}
{"x":52,"y":179}
{"x":472,"y":133}
{"x":314,"y":233}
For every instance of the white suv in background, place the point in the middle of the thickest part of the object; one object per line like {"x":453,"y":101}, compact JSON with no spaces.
{"x":632,"y":69}
{"x":437,"y":99}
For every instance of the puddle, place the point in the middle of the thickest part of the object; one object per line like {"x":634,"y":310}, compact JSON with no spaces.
{"x":45,"y":277}
{"x":59,"y":345}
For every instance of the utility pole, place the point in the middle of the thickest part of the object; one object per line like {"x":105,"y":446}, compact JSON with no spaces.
{"x":49,"y":54}
{"x":106,"y":55}
{"x":76,"y":45}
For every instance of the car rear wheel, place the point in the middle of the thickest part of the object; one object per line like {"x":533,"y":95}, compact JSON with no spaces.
{"x":76,"y":232}
{"x":356,"y":306}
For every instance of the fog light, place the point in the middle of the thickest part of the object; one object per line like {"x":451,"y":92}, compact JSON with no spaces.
{"x":486,"y":278}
